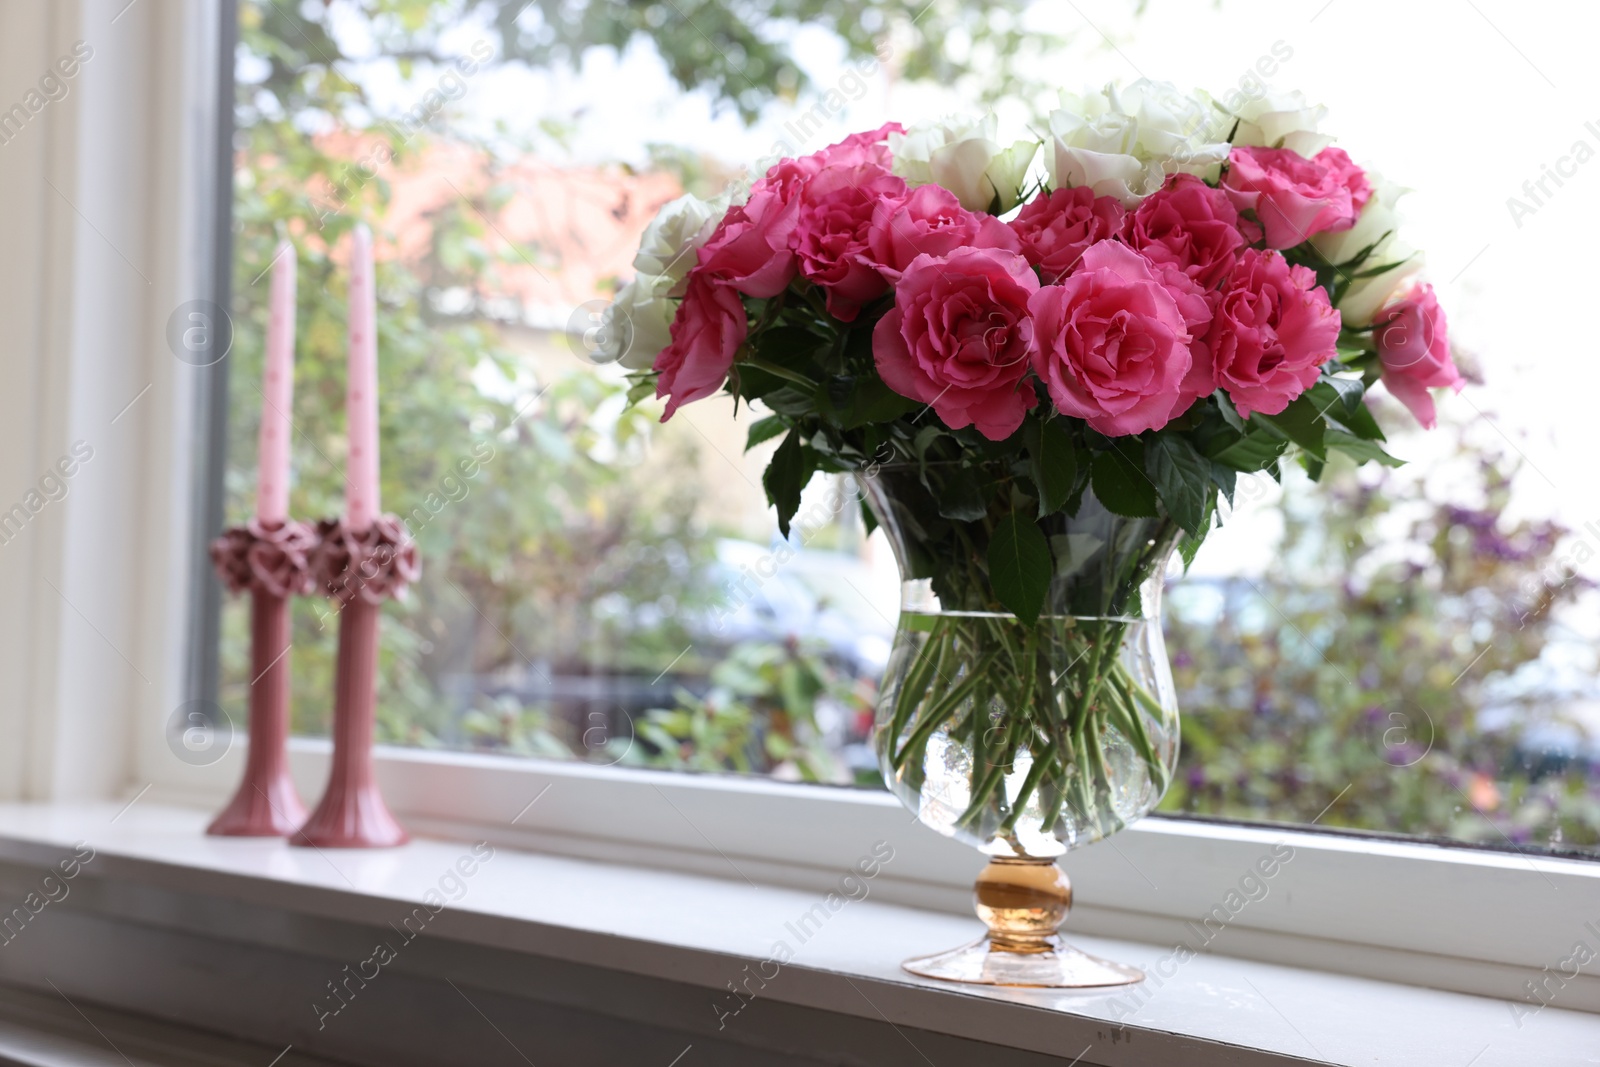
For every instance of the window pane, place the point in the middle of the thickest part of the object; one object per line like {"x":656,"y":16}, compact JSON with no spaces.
{"x":1408,"y":651}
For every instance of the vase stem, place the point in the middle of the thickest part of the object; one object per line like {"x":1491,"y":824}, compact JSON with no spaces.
{"x":1023,"y":900}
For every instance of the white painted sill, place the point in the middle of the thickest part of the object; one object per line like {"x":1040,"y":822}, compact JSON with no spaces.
{"x":703,"y":931}
{"x":1461,"y":920}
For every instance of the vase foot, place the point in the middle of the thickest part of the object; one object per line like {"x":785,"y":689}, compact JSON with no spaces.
{"x":1023,"y":900}
{"x":1058,"y":967}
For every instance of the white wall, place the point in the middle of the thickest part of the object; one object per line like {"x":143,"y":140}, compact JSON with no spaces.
{"x":100,"y":239}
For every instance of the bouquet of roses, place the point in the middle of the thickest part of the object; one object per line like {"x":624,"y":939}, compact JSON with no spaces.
{"x":1049,"y":372}
{"x":1163,"y":309}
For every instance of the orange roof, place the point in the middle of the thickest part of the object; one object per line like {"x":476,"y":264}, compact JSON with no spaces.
{"x":574,"y":228}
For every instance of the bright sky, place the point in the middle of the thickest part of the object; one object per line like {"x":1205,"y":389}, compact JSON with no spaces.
{"x":1461,"y":100}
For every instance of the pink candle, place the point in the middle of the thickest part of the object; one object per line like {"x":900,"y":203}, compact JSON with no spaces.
{"x":361,"y":388}
{"x":277,"y":393}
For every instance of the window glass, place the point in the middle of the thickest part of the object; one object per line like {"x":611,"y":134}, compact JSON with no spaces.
{"x":1408,"y":651}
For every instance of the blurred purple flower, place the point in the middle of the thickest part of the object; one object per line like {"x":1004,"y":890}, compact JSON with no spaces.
{"x":1404,"y":754}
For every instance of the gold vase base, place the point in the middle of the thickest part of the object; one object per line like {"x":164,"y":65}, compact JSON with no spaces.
{"x":1058,"y":967}
{"x":1023,"y":900}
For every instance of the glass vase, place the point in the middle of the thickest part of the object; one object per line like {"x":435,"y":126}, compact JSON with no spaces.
{"x":1023,"y":739}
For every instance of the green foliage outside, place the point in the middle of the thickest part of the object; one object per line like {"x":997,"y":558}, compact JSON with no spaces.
{"x":1385,"y":672}
{"x":550,"y":523}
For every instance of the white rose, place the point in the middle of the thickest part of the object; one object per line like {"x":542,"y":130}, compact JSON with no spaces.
{"x":668,"y":247}
{"x":1115,"y":174}
{"x":963,"y":157}
{"x":1124,"y":142}
{"x":1376,"y":226}
{"x":1281,"y":120}
{"x":1366,"y":296}
{"x":637,"y":325}
{"x":1377,"y":220}
{"x":1172,"y":124}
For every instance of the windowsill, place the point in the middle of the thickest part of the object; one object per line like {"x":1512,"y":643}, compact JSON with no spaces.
{"x":1463,"y":920}
{"x":701,"y":931}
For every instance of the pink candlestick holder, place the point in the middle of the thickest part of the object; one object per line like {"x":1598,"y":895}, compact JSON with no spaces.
{"x":272,"y":562}
{"x":360,"y":570}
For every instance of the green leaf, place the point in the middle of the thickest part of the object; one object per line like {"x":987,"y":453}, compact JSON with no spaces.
{"x":925,"y":439}
{"x":1341,"y":399}
{"x":1361,"y":423}
{"x":753,"y":383}
{"x":1301,"y":422}
{"x":1190,"y":545}
{"x":1182,"y":478}
{"x":1336,"y":395}
{"x":1360,"y":450}
{"x":788,"y":400}
{"x":1230,"y":414}
{"x":1020,"y":566}
{"x":869,"y":518}
{"x":1225,"y":478}
{"x":1253,"y":452}
{"x":1121,"y":484}
{"x":640,"y":390}
{"x":858,"y":344}
{"x":785,"y":477}
{"x":1052,"y":462}
{"x":839,"y":389}
{"x":791,"y":347}
{"x":868,"y":401}
{"x":765,"y":430}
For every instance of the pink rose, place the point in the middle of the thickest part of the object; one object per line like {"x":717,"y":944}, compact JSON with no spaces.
{"x":930,"y":221}
{"x":748,"y":253}
{"x":785,"y":178}
{"x":868,"y":147}
{"x":1056,"y":228}
{"x":959,"y":338}
{"x":1272,"y":331}
{"x":1414,"y":351}
{"x":1189,"y":225}
{"x":830,"y":234}
{"x":707,"y":331}
{"x":782,"y":183}
{"x":1194,"y":304}
{"x":1350,"y":176}
{"x":1112,"y":345}
{"x":1294,"y":197}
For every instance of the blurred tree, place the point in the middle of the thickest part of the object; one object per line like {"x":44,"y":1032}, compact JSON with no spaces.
{"x":741,"y":54}
{"x":551,"y":523}
{"x":1385,"y":673}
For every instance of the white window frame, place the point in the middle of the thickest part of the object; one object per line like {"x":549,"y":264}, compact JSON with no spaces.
{"x":95,"y":607}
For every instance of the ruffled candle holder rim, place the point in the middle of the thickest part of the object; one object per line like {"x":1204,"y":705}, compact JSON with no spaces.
{"x":269,"y":557}
{"x":377,"y":563}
